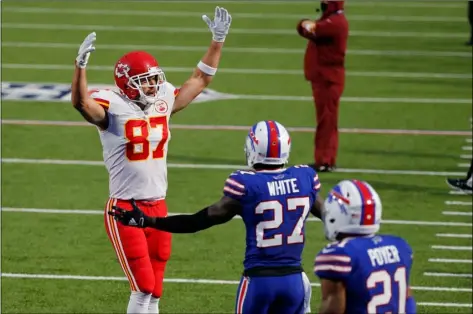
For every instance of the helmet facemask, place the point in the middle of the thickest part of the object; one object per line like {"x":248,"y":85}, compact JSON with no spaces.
{"x":141,"y":81}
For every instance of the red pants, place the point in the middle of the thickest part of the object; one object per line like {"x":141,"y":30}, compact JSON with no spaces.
{"x":142,"y":253}
{"x":327,"y":99}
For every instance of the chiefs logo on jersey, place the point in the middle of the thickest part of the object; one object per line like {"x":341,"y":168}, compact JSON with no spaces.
{"x":161,"y":106}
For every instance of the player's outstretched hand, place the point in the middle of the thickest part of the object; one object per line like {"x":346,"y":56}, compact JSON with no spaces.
{"x":134,"y":218}
{"x":220,"y":25}
{"x":85,"y":49}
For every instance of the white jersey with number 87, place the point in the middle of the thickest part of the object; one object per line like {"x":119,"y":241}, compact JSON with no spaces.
{"x":135,"y":144}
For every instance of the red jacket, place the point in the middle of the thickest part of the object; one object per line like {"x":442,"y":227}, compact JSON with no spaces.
{"x":325,"y":54}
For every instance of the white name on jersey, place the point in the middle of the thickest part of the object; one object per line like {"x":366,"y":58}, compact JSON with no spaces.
{"x":384,"y":255}
{"x":282,"y":187}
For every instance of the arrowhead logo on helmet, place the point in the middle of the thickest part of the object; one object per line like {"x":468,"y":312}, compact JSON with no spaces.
{"x":122,"y":70}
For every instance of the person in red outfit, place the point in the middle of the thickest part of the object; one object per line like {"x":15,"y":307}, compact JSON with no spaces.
{"x":324,"y":68}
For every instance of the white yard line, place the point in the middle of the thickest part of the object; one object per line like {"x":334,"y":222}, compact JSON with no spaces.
{"x":466,"y":156}
{"x":449,"y":260}
{"x":430,"y":274}
{"x":463,"y":165}
{"x":262,"y":50}
{"x":298,"y":72}
{"x":468,"y":140}
{"x":226,"y":167}
{"x":458,"y":203}
{"x":450,"y":213}
{"x":438,"y":304}
{"x":466,"y":148}
{"x":452,"y":248}
{"x":456,"y":192}
{"x":101,"y":212}
{"x":246,"y":128}
{"x":192,"y":281}
{"x":236,"y":15}
{"x":454,"y":235}
{"x":190,"y":30}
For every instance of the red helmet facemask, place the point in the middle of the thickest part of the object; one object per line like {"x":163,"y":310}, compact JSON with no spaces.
{"x":139,"y":77}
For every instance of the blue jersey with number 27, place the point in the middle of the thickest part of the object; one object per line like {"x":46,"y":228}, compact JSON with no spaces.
{"x":275,"y":206}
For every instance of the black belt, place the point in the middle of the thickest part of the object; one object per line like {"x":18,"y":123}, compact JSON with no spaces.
{"x":263,"y":271}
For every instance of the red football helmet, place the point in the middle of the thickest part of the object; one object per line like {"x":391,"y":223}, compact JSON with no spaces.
{"x":133,"y":72}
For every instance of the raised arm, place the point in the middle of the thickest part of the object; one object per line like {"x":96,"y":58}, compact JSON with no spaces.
{"x":218,"y":213}
{"x":88,"y":108}
{"x":207,"y":67}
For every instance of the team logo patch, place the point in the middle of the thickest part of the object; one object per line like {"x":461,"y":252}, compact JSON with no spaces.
{"x":253,"y":138}
{"x":122,"y":70}
{"x":161,"y":106}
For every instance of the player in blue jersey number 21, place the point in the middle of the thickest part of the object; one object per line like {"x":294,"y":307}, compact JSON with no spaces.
{"x":361,"y":272}
{"x":274,"y":202}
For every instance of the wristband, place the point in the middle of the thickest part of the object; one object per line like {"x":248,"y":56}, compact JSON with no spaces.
{"x":206,"y":69}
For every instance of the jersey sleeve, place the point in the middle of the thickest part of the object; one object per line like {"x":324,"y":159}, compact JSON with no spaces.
{"x":101,"y":97}
{"x":176,"y":92}
{"x":235,"y":186}
{"x":313,"y":177}
{"x":108,"y":100}
{"x":407,"y":253}
{"x":334,"y":263}
{"x":171,"y":94}
{"x":316,"y":182}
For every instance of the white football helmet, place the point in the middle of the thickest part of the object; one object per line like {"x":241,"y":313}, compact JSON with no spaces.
{"x":352,"y":207}
{"x":268,"y":143}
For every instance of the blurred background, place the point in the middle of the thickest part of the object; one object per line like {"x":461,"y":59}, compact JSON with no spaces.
{"x":405,"y":125}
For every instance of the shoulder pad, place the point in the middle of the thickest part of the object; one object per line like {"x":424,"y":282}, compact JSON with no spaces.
{"x":406,"y":248}
{"x":302,"y":166}
{"x":102,"y":96}
{"x":235,"y":185}
{"x":312,"y":173}
{"x":333,"y":262}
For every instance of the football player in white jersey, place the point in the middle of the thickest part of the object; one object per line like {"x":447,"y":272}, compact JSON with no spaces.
{"x":133,"y":127}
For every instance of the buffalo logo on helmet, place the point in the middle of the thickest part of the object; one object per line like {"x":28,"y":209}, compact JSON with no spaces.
{"x":337,"y":196}
{"x":253,"y":138}
{"x":122,"y":70}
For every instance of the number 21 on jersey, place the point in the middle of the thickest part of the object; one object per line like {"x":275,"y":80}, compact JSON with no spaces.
{"x":278,"y":239}
{"x":384,"y":278}
{"x":137,"y":132}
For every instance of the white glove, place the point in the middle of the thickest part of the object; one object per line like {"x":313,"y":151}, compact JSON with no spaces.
{"x":220,"y":25}
{"x":85,"y":49}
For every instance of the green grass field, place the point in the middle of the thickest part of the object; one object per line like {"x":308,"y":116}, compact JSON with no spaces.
{"x":407,"y":70}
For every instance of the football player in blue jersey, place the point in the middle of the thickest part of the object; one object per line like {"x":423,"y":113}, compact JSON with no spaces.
{"x":274,"y":202}
{"x":361,"y":272}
